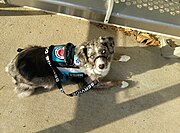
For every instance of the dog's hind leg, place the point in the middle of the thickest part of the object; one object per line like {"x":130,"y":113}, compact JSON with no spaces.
{"x":24,"y":90}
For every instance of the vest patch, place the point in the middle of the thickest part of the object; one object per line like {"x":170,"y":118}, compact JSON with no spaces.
{"x":59,"y":52}
{"x":59,"y":60}
{"x":76,"y":61}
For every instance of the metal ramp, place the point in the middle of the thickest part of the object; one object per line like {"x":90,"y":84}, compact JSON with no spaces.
{"x":162,"y":16}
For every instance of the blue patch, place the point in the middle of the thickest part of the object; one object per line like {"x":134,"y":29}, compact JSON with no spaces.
{"x":76,"y":60}
{"x":58,"y":53}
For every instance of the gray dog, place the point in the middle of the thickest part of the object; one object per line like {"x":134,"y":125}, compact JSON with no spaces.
{"x":30,"y":70}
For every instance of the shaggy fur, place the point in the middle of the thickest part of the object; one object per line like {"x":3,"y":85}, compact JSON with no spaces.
{"x":29,"y":69}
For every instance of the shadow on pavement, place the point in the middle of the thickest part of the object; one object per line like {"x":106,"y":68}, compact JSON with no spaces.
{"x":99,"y":108}
{"x":96,"y":111}
{"x":10,"y":10}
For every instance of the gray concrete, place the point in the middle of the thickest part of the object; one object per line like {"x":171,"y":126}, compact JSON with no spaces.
{"x":149,"y":105}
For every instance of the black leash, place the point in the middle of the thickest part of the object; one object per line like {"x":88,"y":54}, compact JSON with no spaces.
{"x":58,"y":76}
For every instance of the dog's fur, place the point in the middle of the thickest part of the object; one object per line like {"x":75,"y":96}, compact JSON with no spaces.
{"x":29,"y":69}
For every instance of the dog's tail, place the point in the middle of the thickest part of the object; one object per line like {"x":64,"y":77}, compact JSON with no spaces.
{"x":19,"y":49}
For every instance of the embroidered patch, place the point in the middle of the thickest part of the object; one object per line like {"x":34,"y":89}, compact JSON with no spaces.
{"x":76,"y":61}
{"x":59,"y":52}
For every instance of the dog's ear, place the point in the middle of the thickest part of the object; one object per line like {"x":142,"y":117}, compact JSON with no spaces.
{"x":111,"y":45}
{"x":81,"y":52}
{"x":108,"y":42}
{"x":19,"y":49}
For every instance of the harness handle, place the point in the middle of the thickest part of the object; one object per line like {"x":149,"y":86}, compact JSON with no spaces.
{"x":69,"y":53}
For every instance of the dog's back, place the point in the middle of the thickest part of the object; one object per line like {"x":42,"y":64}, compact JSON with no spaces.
{"x":30,"y":70}
{"x":31,"y":63}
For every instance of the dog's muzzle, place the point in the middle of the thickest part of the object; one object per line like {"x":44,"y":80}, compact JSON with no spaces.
{"x":102,"y":64}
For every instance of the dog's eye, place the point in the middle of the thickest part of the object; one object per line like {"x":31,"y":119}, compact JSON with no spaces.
{"x":103,"y":51}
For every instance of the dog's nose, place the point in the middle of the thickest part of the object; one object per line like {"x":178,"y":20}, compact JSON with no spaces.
{"x":101,"y":66}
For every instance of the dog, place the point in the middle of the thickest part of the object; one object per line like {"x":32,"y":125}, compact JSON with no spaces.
{"x":29,"y":69}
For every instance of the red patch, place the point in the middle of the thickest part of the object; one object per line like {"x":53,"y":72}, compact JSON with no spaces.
{"x":59,"y":52}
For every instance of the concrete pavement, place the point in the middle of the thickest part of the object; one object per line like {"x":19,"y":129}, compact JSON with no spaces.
{"x":151,"y":104}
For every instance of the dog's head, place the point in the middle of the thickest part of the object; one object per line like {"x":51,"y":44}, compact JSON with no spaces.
{"x":97,"y":54}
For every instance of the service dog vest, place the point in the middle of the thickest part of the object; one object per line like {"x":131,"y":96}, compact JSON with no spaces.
{"x":65,"y":63}
{"x":64,"y":59}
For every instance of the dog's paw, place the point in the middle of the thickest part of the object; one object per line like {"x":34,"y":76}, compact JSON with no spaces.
{"x":23,"y":90}
{"x":124,"y":84}
{"x":25,"y":93}
{"x":124,"y":58}
{"x":7,"y":69}
{"x":111,"y":84}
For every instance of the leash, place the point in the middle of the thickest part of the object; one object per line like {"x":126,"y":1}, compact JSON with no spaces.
{"x":58,"y":76}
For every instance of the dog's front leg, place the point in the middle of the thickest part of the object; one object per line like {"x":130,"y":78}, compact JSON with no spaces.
{"x":111,"y":84}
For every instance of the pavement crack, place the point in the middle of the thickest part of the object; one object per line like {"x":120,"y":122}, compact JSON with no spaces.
{"x":2,"y":87}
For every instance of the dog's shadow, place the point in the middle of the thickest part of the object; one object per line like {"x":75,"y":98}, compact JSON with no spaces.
{"x":40,"y":90}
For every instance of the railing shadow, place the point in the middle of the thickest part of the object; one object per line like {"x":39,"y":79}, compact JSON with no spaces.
{"x":10,"y":10}
{"x":95,"y":110}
